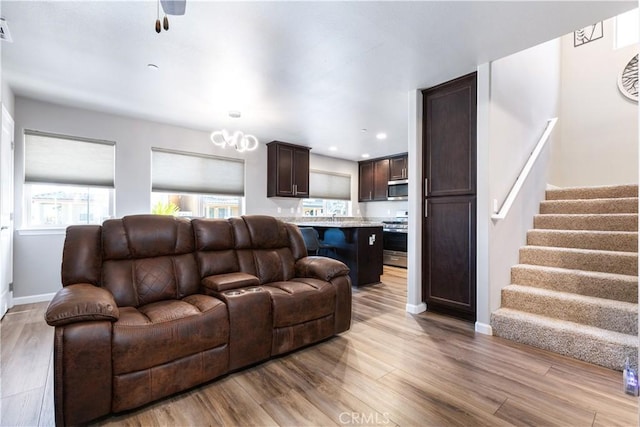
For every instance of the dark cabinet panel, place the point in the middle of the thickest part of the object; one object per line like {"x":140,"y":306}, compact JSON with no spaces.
{"x":301,"y":172}
{"x":360,"y":248}
{"x":450,"y":140}
{"x":287,"y":170}
{"x":380,"y":179}
{"x":365,"y":181}
{"x":373,"y":180}
{"x":398,"y":168}
{"x":449,"y":226}
{"x":450,"y":260}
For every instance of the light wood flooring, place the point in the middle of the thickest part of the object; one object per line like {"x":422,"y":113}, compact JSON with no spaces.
{"x":391,"y":368}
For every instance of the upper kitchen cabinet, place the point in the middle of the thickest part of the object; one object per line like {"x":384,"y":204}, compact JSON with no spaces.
{"x":398,"y":168}
{"x":287,"y":170}
{"x":373,"y":180}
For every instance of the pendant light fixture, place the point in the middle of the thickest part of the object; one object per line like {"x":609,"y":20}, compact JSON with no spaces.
{"x":158,"y":28}
{"x":238,"y":140}
{"x":169,"y":7}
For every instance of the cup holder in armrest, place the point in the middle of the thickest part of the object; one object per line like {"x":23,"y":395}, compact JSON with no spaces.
{"x":253,"y":289}
{"x":234,"y":293}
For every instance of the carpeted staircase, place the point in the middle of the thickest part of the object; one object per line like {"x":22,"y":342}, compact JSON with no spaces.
{"x":575,"y":291}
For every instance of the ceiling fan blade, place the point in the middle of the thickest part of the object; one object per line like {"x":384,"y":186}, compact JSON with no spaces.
{"x":173,"y":7}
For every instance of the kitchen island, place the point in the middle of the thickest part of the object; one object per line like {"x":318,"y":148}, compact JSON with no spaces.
{"x":357,"y":243}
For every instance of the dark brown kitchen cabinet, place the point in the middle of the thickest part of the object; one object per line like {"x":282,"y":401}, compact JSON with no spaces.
{"x":360,"y":248}
{"x":450,"y":255}
{"x":287,"y":170}
{"x":373,"y":179}
{"x":398,"y":168}
{"x":449,"y":223}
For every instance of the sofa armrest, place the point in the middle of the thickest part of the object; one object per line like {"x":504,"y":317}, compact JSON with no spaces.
{"x":320,"y":268}
{"x":228,"y":281}
{"x":81,"y":302}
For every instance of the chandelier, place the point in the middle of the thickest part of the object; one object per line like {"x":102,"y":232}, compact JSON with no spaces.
{"x":238,"y":140}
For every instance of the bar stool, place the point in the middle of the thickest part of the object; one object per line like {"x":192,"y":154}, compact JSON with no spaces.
{"x":314,"y":245}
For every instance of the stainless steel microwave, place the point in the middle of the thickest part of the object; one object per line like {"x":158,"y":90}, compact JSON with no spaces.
{"x":398,"y":190}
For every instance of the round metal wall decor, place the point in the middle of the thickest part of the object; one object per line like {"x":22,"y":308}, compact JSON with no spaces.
{"x":628,"y":79}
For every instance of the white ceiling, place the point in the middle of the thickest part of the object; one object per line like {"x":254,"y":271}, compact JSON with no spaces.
{"x":311,"y":73}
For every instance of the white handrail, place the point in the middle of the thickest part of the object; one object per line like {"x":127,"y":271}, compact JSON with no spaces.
{"x":513,"y":193}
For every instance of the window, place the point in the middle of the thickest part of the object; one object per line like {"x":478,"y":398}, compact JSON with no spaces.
{"x":68,"y":180}
{"x":325,"y":207}
{"x":626,"y":29}
{"x":330,"y":192}
{"x":196,"y":205}
{"x":196,"y":185}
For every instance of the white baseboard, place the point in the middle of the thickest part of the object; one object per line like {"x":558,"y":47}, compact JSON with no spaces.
{"x":483,"y":328}
{"x":416,"y":308}
{"x":33,"y":299}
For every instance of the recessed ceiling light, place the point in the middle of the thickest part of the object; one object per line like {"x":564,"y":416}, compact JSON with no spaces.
{"x":381,"y":135}
{"x":153,"y":67}
{"x":333,"y":148}
{"x":365,"y":155}
{"x":363,"y":130}
{"x":235,"y":114}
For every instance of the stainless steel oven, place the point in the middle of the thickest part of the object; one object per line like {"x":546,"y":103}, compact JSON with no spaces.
{"x":394,"y":240}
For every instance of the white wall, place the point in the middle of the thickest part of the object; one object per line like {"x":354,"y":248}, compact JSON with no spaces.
{"x":523,"y":94}
{"x":599,"y":126}
{"x":382,"y":209}
{"x":8,"y":98}
{"x":37,"y":255}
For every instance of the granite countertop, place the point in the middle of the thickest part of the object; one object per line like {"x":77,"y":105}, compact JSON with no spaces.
{"x":337,"y":224}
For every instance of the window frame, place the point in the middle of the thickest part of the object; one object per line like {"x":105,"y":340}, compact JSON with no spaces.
{"x":75,"y":181}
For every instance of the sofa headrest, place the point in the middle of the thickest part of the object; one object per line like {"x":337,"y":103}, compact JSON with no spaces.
{"x":145,"y":236}
{"x":264,"y":232}
{"x":213,"y":234}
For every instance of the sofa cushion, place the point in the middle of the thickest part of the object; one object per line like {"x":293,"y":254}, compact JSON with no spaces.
{"x":143,"y":236}
{"x":143,"y":281}
{"x":212,"y":234}
{"x":148,"y":258}
{"x":163,"y":331}
{"x":274,"y":265}
{"x":263,"y":248}
{"x":82,"y":256}
{"x":300,"y":300}
{"x":214,"y":242}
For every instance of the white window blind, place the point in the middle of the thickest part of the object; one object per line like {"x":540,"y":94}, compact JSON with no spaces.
{"x":61,"y":159}
{"x":179,"y":172}
{"x":327,"y":185}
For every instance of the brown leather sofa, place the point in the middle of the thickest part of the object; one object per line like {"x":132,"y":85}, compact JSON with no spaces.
{"x":153,"y":305}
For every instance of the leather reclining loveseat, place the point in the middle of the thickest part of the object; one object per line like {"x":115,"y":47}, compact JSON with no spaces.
{"x":153,"y":305}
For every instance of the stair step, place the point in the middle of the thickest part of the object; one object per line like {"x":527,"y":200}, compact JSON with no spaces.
{"x":581,"y":259}
{"x":617,"y":287}
{"x":602,"y":222}
{"x":590,"y":206}
{"x":622,"y":241}
{"x":588,"y":343}
{"x":575,"y":291}
{"x":600,"y":192}
{"x":602,"y":313}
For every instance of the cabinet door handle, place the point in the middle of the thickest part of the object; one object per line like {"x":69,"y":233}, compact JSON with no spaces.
{"x":370,"y":196}
{"x":295,"y":189}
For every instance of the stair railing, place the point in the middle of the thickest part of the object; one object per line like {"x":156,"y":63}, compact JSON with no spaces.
{"x":526,"y":169}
